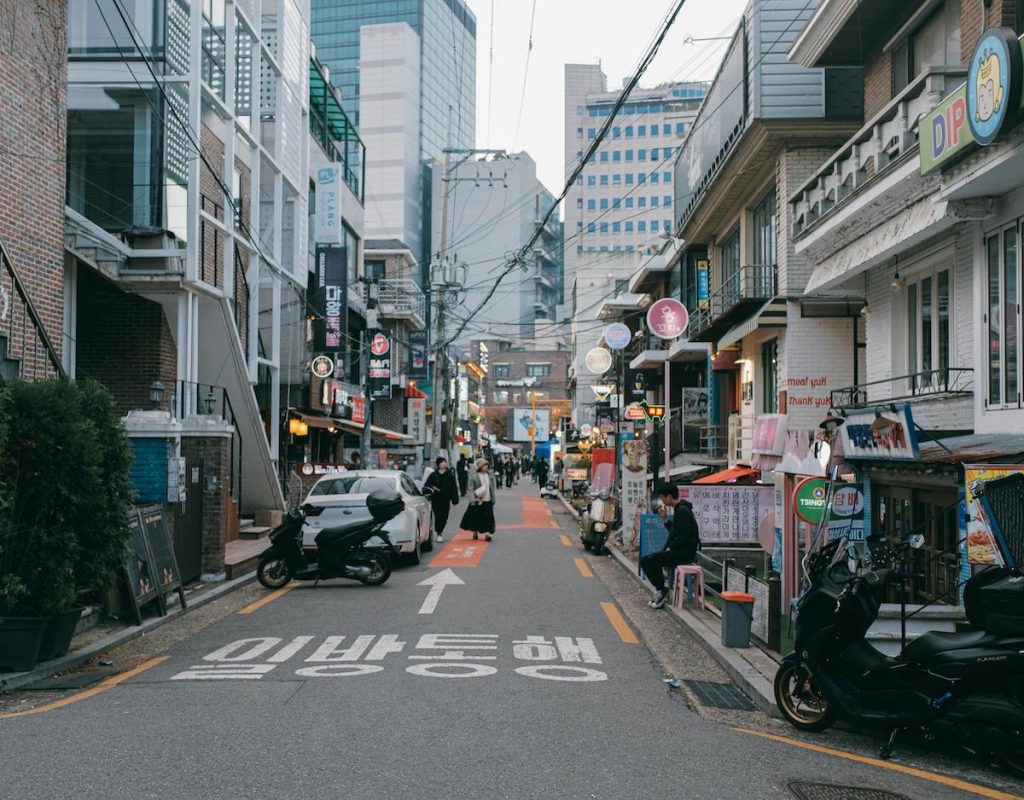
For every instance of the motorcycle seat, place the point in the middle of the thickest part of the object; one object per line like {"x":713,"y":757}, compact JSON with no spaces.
{"x":935,"y":642}
{"x":334,"y":536}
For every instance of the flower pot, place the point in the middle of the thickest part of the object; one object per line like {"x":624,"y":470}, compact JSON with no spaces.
{"x":57,"y":637}
{"x":19,"y":642}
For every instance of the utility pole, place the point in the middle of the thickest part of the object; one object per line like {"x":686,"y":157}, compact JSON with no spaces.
{"x":364,"y":360}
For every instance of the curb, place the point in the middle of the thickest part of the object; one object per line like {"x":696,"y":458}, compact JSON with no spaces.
{"x":17,"y":680}
{"x":753,"y":683}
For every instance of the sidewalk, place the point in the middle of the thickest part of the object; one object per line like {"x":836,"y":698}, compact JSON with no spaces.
{"x":87,"y":644}
{"x":752,"y":668}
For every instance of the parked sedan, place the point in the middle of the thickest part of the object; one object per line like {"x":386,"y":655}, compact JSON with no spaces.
{"x":343,"y":497}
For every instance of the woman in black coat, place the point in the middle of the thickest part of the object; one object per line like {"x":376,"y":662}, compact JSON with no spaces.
{"x":444,"y":494}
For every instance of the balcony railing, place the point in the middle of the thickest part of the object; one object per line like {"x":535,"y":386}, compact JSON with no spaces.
{"x":884,"y":140}
{"x":402,"y":299}
{"x":949,"y":381}
{"x":740,"y":294}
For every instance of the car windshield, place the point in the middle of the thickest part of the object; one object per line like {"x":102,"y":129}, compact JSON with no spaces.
{"x":352,"y":484}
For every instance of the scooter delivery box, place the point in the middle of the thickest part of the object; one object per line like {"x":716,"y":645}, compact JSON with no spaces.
{"x":384,"y":505}
{"x":1003,"y":604}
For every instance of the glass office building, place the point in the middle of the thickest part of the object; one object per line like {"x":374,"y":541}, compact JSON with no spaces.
{"x":447,"y":31}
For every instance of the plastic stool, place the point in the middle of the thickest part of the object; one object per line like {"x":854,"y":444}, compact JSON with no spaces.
{"x":688,"y":577}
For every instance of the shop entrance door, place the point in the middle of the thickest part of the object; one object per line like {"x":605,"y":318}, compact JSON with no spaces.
{"x":188,"y":524}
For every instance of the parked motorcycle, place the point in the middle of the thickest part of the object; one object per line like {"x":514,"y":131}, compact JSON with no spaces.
{"x":596,"y":524}
{"x":341,"y":552}
{"x":579,"y":497}
{"x":964,"y":689}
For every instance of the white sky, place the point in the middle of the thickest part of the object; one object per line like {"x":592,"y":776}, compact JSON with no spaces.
{"x":614,"y":32}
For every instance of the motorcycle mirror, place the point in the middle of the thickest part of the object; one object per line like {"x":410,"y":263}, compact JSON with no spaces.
{"x":916,"y":541}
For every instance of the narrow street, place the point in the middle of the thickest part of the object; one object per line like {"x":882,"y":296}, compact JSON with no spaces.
{"x":521,"y":673}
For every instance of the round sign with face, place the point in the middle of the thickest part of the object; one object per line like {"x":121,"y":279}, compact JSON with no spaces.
{"x":380,"y":344}
{"x":617,"y":336}
{"x":993,"y":84}
{"x":322,"y":367}
{"x":599,"y":360}
{"x":667,"y":318}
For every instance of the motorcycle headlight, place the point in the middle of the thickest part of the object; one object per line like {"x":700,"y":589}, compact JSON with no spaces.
{"x":600,"y":527}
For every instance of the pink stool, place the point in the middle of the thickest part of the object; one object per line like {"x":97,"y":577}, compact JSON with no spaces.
{"x":679,"y":585}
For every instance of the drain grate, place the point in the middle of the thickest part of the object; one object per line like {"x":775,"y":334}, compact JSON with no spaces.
{"x":720,"y":695}
{"x":77,"y":680}
{"x":828,"y":791}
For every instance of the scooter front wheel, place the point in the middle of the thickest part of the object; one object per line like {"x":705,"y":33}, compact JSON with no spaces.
{"x":380,"y":569}
{"x":800,"y":700}
{"x":273,"y":572}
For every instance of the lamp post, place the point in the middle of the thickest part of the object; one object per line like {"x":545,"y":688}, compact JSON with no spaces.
{"x":156,"y":394}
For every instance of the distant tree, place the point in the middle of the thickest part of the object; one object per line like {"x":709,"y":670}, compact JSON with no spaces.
{"x":497,"y":422}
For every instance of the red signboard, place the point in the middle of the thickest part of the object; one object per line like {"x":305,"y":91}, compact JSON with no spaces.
{"x":635,"y":412}
{"x":359,"y":409}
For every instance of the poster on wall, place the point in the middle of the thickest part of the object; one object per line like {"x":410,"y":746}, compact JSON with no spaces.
{"x":729,"y":513}
{"x":417,"y":354}
{"x":634,"y":480}
{"x":525,"y":418}
{"x":980,"y":540}
{"x":602,"y":469}
{"x":695,"y":403}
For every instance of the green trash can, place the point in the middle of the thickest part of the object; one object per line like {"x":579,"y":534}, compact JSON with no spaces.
{"x":737,"y":615}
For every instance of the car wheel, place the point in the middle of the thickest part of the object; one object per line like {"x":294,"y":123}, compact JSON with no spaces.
{"x":429,"y":544}
{"x":415,"y":556}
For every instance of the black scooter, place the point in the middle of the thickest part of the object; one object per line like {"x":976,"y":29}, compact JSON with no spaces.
{"x":340,"y":552}
{"x":964,"y":689}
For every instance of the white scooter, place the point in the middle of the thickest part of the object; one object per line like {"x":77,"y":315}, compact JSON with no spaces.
{"x":596,"y":524}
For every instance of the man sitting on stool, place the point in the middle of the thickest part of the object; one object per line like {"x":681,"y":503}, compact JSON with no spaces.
{"x":681,"y":546}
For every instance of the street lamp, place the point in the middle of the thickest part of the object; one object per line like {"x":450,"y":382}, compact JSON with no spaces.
{"x":156,"y":394}
{"x":209,"y":401}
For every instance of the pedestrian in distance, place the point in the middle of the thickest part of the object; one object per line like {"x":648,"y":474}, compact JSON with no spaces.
{"x":479,"y":517}
{"x":462,"y":470}
{"x":497,"y":471}
{"x":681,"y":546}
{"x":443,"y":496}
{"x":542,"y":472}
{"x":510,"y":469}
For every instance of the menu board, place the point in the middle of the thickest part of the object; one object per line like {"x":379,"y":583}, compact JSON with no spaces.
{"x":139,"y":568}
{"x":727,"y":514}
{"x":165,"y":566}
{"x":980,"y":541}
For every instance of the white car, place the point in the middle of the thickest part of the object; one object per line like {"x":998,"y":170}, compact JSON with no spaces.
{"x":343,"y":497}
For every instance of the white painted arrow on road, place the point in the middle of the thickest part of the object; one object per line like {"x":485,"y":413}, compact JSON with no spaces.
{"x":437,"y":583}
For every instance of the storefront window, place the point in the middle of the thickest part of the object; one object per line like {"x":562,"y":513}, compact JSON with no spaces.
{"x":928,"y":345}
{"x":764,"y":230}
{"x":1003,"y":317}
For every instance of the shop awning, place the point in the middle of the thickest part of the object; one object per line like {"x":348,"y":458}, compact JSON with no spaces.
{"x":314,"y":421}
{"x":728,"y":475}
{"x":382,"y":433}
{"x":771,"y":315}
{"x":623,"y":304}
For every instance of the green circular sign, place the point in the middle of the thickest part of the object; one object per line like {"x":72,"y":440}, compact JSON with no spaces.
{"x":809,"y":499}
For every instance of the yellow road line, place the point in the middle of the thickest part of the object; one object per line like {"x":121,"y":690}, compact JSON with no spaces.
{"x":954,"y":783}
{"x":581,"y":565}
{"x":566,"y":540}
{"x":619,"y":623}
{"x":99,"y":688}
{"x":270,"y":598}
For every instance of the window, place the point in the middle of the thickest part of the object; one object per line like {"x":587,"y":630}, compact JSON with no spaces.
{"x":629,"y":131}
{"x":604,"y":227}
{"x":666,"y":177}
{"x":641,"y":227}
{"x":591,"y":228}
{"x":655,"y":177}
{"x":579,"y":202}
{"x":616,"y":202}
{"x":501,"y":397}
{"x":604,"y":203}
{"x":666,"y":225}
{"x":616,"y":133}
{"x":616,"y":179}
{"x":680,"y":128}
{"x":604,"y":156}
{"x":641,"y":177}
{"x":763,"y":223}
{"x":591,"y":204}
{"x":629,"y":248}
{"x":629,"y":226}
{"x":654,"y":130}
{"x":604,"y":180}
{"x":629,"y":179}
{"x":666,"y":129}
{"x":591,"y":134}
{"x":936,"y":42}
{"x":616,"y":227}
{"x":666,"y":200}
{"x":928,"y":327}
{"x":538,"y":370}
{"x":641,"y":131}
{"x":654,"y":201}
{"x":591,"y":180}
{"x":641,"y":202}
{"x":629,"y":202}
{"x":629,"y":155}
{"x":1003,"y":317}
{"x":770,"y":377}
{"x":641,"y":154}
{"x":617,"y":156}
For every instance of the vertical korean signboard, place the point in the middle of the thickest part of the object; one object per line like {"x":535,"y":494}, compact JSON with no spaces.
{"x":380,"y":364}
{"x":634,"y":482}
{"x":332,"y":287}
{"x":327,"y":222}
{"x":417,"y":354}
{"x":416,"y":413}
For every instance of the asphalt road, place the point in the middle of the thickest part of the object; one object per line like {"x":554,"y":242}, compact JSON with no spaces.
{"x":526,"y":681}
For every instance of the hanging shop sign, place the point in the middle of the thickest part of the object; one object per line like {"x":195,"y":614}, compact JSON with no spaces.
{"x":981,"y":110}
{"x":598,"y":360}
{"x":330,"y":301}
{"x":769,"y":435}
{"x":667,"y":318}
{"x":635,"y":412}
{"x":980,"y":538}
{"x":417,"y":354}
{"x":416,"y":413}
{"x":703,"y":284}
{"x":617,"y":336}
{"x":322,"y":367}
{"x":327,"y":222}
{"x":846,"y":512}
{"x":639,"y":382}
{"x":359,"y":410}
{"x":379,"y":372}
{"x":809,"y":499}
{"x":654,"y":412}
{"x":880,"y":433}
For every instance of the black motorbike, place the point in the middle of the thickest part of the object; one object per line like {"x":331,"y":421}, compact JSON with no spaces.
{"x":341,"y":552}
{"x":961,"y":689}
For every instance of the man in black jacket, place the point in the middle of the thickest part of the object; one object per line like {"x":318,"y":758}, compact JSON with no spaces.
{"x":444,"y":495}
{"x":462,"y":468}
{"x":681,"y":546}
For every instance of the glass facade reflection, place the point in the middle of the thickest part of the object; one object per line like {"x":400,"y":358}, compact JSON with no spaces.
{"x":447,"y":30}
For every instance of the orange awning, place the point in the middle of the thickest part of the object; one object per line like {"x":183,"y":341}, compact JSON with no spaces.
{"x":314,"y":421}
{"x":728,"y":475}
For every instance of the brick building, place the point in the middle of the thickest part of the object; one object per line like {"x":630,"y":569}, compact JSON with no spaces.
{"x":33,"y":74}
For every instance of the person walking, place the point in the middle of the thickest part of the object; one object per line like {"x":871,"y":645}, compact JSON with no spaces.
{"x":510,"y":469}
{"x":542,"y":472}
{"x":680,"y":548}
{"x":445,"y":494}
{"x":479,"y":517}
{"x":462,"y":470}
{"x":498,"y":471}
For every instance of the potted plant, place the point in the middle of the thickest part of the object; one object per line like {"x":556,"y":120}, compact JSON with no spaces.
{"x":64,"y":480}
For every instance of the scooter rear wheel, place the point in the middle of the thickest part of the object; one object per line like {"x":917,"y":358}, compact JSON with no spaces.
{"x":380,"y":570}
{"x":800,"y":700}
{"x":273,"y":572}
